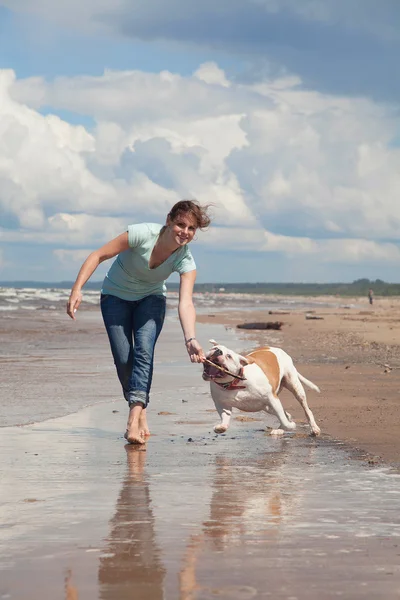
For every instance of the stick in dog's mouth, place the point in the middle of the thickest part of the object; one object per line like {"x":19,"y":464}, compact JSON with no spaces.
{"x":224,"y":370}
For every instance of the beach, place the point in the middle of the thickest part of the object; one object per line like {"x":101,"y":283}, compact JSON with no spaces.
{"x":193,"y":515}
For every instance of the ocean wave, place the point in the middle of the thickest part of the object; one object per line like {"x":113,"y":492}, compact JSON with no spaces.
{"x":12,"y":298}
{"x":40,"y":299}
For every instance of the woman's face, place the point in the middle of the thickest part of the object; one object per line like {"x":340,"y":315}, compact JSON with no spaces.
{"x":182,"y":228}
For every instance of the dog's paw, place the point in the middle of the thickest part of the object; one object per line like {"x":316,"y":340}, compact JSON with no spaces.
{"x":220,"y":428}
{"x":315,"y":430}
{"x":277,"y":432}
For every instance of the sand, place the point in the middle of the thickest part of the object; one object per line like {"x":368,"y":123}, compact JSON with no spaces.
{"x":352,"y":353}
{"x":193,"y":515}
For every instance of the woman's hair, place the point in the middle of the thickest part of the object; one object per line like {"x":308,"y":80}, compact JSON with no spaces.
{"x":199,"y":212}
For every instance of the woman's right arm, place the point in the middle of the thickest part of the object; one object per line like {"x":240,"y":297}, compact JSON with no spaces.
{"x":109,"y":250}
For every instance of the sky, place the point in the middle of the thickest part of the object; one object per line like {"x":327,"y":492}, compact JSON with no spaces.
{"x":284,"y":115}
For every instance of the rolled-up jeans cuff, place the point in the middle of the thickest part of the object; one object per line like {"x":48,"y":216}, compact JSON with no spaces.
{"x":137,"y":396}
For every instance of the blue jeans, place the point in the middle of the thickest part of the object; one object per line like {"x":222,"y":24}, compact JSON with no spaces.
{"x":133,"y":327}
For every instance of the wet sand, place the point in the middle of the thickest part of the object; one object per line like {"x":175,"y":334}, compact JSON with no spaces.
{"x":192,"y":515}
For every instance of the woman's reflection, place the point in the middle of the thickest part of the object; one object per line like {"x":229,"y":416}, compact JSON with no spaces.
{"x":130,"y":566}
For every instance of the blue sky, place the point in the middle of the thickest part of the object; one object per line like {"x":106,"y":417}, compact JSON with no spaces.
{"x":283,"y":114}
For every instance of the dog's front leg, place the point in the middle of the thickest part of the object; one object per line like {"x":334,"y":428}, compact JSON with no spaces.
{"x":284,"y":417}
{"x":225,"y":414}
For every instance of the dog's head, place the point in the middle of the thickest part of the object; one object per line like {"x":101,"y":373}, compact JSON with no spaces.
{"x":225,"y":358}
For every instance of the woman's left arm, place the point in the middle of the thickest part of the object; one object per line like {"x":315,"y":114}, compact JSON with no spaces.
{"x":187,"y":316}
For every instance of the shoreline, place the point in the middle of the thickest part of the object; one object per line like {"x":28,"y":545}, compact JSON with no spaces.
{"x":351,"y":352}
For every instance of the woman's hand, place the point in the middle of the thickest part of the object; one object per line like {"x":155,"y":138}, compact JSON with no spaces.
{"x":73,"y":303}
{"x":195,"y":351}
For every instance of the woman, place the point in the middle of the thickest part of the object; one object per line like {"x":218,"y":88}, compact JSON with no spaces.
{"x":133,"y":299}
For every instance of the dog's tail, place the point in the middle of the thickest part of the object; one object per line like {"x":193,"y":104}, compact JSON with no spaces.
{"x":308,"y":383}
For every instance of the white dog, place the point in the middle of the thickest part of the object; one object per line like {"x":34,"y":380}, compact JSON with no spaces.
{"x":252,"y":383}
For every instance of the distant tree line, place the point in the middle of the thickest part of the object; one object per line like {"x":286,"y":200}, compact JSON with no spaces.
{"x":359,"y":287}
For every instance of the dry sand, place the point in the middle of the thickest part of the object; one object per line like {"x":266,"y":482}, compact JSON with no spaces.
{"x":353,"y":354}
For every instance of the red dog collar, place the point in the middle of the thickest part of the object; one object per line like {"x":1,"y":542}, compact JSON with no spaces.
{"x":233,"y":385}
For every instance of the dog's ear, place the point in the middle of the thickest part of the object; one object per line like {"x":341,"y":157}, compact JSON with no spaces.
{"x":243,"y":361}
{"x":213,"y":343}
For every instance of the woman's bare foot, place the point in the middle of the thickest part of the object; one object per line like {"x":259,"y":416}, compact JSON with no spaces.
{"x":143,"y":425}
{"x":134,"y":433}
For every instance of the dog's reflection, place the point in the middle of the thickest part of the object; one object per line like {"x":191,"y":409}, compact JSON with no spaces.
{"x":130,"y":566}
{"x":250,"y":500}
{"x":249,"y":504}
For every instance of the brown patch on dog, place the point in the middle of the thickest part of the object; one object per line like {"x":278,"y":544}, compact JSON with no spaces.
{"x":268,"y":362}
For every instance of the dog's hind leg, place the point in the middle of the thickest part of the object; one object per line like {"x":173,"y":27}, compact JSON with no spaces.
{"x":289,"y":416}
{"x":276,"y":407}
{"x":225,"y":414}
{"x":293,"y":384}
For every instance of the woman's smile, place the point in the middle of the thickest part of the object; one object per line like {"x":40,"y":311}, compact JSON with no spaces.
{"x":183,"y":229}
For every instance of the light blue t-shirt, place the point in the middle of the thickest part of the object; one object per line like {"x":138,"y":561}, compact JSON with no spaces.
{"x":130,"y":276}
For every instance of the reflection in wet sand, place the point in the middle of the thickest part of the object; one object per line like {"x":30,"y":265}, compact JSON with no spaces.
{"x":250,"y":498}
{"x":130,"y":566}
{"x":71,"y":593}
{"x":249,"y":503}
{"x":236,"y":517}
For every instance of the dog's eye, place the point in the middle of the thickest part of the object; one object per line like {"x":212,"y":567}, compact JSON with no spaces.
{"x":228,"y":356}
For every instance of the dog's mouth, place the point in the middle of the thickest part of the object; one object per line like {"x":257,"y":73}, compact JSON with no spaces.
{"x":212,"y":372}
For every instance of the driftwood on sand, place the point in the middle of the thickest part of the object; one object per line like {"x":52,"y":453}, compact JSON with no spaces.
{"x":262,"y":325}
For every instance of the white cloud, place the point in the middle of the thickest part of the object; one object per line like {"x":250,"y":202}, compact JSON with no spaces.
{"x":211,"y":73}
{"x":68,"y":257}
{"x":123,"y":96}
{"x":288,"y":170}
{"x":345,"y":251}
{"x":69,"y":229}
